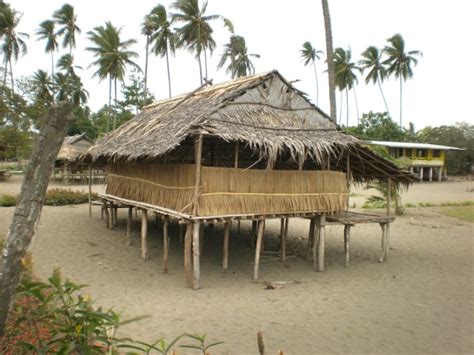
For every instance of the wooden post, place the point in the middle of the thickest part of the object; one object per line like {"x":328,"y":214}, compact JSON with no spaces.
{"x":165,"y":244}
{"x":283,"y":240}
{"x":384,"y":242}
{"x":90,"y":190}
{"x":261,"y":228}
{"x":236,"y":166}
{"x":317,"y":220}
{"x":106,"y":211}
{"x":115,"y":215}
{"x":347,"y":236}
{"x":181,"y":233}
{"x":253,"y":233}
{"x":197,"y":158}
{"x":322,"y":232}
{"x":188,"y":266}
{"x":430,"y":174}
{"x":144,"y":248}
{"x":65,"y":175}
{"x":225,"y":258}
{"x":196,"y":256}
{"x":129,"y":226}
{"x":389,"y":195}
{"x":312,"y":226}
{"x":111,"y":216}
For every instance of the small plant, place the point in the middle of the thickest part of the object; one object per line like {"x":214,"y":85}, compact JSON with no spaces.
{"x":61,"y":197}
{"x":7,"y":200}
{"x":201,"y":343}
{"x":409,"y":205}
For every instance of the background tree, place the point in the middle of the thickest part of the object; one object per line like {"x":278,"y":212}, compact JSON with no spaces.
{"x":330,"y":60}
{"x":196,"y":31}
{"x":310,"y":55}
{"x":148,"y":27}
{"x":67,"y":18}
{"x":400,"y":62}
{"x":371,"y":62}
{"x":377,"y":126}
{"x":164,"y":39}
{"x":46,"y":32}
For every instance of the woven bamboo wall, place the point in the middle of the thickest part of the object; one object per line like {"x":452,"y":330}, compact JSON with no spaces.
{"x":230,"y":191}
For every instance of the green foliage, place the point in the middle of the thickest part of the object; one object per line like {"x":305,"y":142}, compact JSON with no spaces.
{"x":7,"y":200}
{"x":381,"y":201}
{"x":61,"y":197}
{"x":377,"y":126}
{"x":135,"y":96}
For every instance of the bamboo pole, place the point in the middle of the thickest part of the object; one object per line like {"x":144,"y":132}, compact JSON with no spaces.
{"x":347,"y":236}
{"x":322,"y":232}
{"x":197,"y":158}
{"x":165,"y":244}
{"x":225,"y":257}
{"x":129,"y":226}
{"x":389,"y":195}
{"x":144,"y":248}
{"x":196,"y":256}
{"x":261,"y":228}
{"x":188,"y":267}
{"x":236,"y":166}
{"x":90,"y":190}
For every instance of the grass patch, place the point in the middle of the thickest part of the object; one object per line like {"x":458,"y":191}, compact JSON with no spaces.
{"x":441,"y":204}
{"x":54,"y":197}
{"x":466,"y":213}
{"x":7,"y":201}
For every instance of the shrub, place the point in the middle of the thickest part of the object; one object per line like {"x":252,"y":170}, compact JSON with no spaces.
{"x":61,"y":197}
{"x":7,"y":200}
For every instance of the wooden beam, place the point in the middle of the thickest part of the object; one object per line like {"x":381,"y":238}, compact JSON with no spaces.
{"x":196,"y":256}
{"x":188,"y":266}
{"x":225,"y":257}
{"x":261,"y":229}
{"x":197,"y":158}
{"x":165,"y":244}
{"x":129,"y":226}
{"x":144,"y":247}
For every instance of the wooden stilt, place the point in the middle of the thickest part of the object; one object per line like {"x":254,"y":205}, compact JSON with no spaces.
{"x":106,"y":212}
{"x":196,"y":256}
{"x":387,"y":237}
{"x":322,"y":233}
{"x":384,"y":242}
{"x":283,"y":240}
{"x":111,"y":216}
{"x":144,"y":248}
{"x":115,"y":215}
{"x":90,"y":191}
{"x":312,"y":226}
{"x":253,"y":234}
{"x":347,"y":236}
{"x":188,"y":266}
{"x":225,"y":256}
{"x":316,"y":242}
{"x":261,"y":229}
{"x":165,"y":244}
{"x":389,"y":195}
{"x":129,"y":226}
{"x":181,"y":233}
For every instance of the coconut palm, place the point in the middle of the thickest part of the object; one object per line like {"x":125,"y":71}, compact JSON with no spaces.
{"x":42,"y":86}
{"x":66,"y":64}
{"x":371,"y":61}
{"x":113,"y":56}
{"x":196,"y":32}
{"x":67,"y":18}
{"x":164,"y":39}
{"x":13,"y":42}
{"x":346,"y":77}
{"x":310,"y":54}
{"x":330,"y":60}
{"x":46,"y":32}
{"x":148,"y":27}
{"x":70,"y":88}
{"x":400,"y":62}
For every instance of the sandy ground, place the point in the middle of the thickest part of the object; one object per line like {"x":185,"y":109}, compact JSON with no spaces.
{"x":420,"y":301}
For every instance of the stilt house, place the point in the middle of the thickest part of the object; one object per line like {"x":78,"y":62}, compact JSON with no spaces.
{"x":252,"y":148}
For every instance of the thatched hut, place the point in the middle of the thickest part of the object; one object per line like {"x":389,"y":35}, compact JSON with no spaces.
{"x":252,"y":148}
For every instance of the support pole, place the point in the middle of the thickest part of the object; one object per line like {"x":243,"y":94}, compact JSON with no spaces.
{"x":317,"y":221}
{"x":312,"y":226}
{"x":347,"y":236}
{"x":225,"y":257}
{"x":144,"y":248}
{"x":389,"y":195}
{"x":90,"y":190}
{"x":165,"y":244}
{"x":111,"y":216}
{"x":430,"y":174}
{"x":384,"y":242}
{"x":115,"y":209}
{"x":196,"y":256}
{"x":322,"y":233}
{"x":105,"y":208}
{"x":261,"y":228}
{"x":129,"y":226}
{"x":236,"y":166}
{"x":188,"y":266}
{"x":283,"y":241}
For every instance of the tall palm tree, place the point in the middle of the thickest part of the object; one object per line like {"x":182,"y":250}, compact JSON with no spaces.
{"x":46,"y":32}
{"x":346,"y":76}
{"x":330,"y":60}
{"x":42,"y":86}
{"x":371,"y":61}
{"x":66,"y":64}
{"x":148,"y":27}
{"x":164,"y":39}
{"x":196,"y":32}
{"x":70,"y":88}
{"x":310,"y":54}
{"x":400,"y":62}
{"x":13,"y":42}
{"x":113,"y":56}
{"x":67,"y":18}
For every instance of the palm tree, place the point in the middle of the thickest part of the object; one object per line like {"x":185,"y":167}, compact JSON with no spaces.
{"x":148,"y":28}
{"x":164,"y":39}
{"x":66,"y":17}
{"x":70,"y":88}
{"x":236,"y":51}
{"x":46,"y":32}
{"x":42,"y":86}
{"x":13,"y":42}
{"x":66,"y":64}
{"x":346,"y":77}
{"x":371,"y":61}
{"x":400,"y":62}
{"x":113,"y":56}
{"x":310,"y":54}
{"x":196,"y":32}
{"x":330,"y":60}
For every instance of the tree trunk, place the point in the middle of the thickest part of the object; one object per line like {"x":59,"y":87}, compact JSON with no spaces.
{"x":168,"y":69}
{"x":110,"y":102}
{"x":357,"y":104}
{"x":145,"y":79}
{"x":200,"y":67}
{"x":52,"y":73}
{"x":383,"y":96}
{"x":340,"y":108}
{"x":401,"y":85}
{"x":347,"y":107}
{"x":30,"y":203}
{"x":330,"y":60}
{"x":115,"y":105}
{"x":317,"y":83}
{"x":205,"y":64}
{"x":13,"y":83}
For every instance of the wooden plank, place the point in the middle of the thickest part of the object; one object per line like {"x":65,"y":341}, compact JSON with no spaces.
{"x":188,"y":267}
{"x":165,"y":244}
{"x":347,"y":236}
{"x":129,"y":226}
{"x":144,"y":247}
{"x":261,"y":229}
{"x":196,"y":256}
{"x":225,"y":257}
{"x":322,"y":233}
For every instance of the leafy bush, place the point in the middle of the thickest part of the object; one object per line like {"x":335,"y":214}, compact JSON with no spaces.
{"x":7,"y":200}
{"x":61,"y":197}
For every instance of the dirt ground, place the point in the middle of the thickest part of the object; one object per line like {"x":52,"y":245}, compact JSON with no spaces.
{"x":420,"y":301}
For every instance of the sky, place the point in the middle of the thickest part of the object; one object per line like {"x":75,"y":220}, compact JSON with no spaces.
{"x":438,"y":93}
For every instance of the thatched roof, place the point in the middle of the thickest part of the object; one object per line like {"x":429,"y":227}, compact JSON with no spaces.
{"x":73,"y":147}
{"x":263,"y":111}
